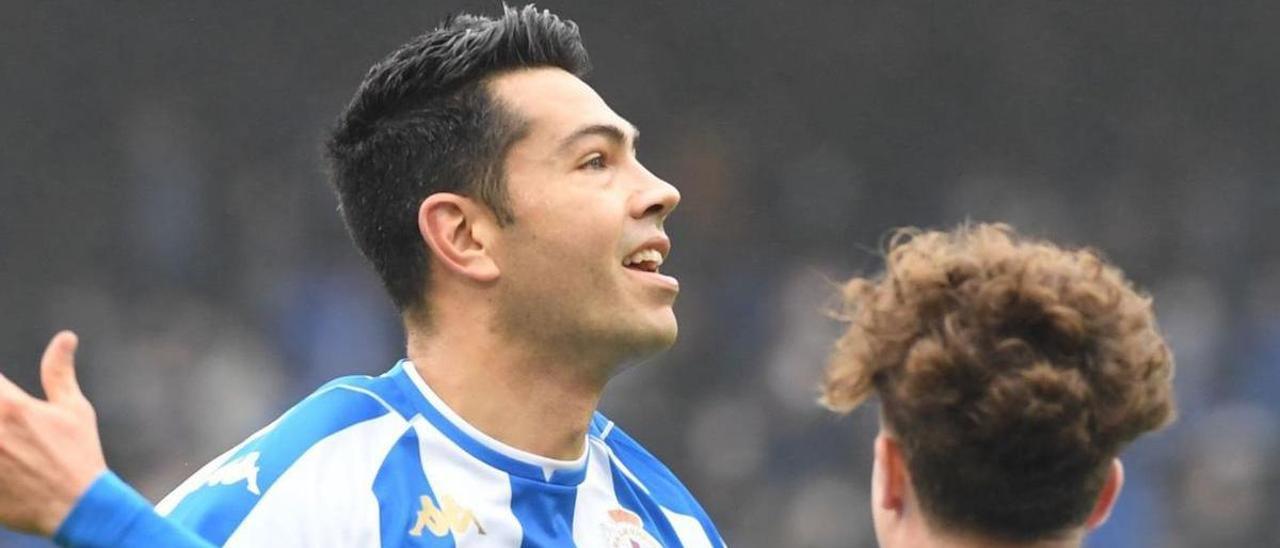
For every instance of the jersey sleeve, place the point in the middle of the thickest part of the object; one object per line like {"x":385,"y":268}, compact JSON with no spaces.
{"x":111,"y":513}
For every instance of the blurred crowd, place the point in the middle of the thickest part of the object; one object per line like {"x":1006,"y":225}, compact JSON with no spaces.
{"x":161,"y":193}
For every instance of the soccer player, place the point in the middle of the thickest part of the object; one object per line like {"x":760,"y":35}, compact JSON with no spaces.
{"x":500,"y":200}
{"x":1010,"y":373}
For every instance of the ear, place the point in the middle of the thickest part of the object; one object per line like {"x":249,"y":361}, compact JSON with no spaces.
{"x":891,"y":474}
{"x":1107,"y":498}
{"x":460,"y":234}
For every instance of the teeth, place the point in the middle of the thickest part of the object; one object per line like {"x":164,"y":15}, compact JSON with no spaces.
{"x":644,"y":255}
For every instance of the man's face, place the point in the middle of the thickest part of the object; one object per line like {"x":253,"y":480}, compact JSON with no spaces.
{"x":579,"y":266}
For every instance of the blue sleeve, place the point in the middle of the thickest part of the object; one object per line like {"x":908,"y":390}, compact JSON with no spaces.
{"x":111,"y":513}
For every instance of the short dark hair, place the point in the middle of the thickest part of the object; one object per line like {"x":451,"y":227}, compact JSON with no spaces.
{"x":1011,"y":370}
{"x":423,"y":121}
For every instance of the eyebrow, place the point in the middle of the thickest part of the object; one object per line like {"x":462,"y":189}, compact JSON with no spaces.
{"x":609,"y":131}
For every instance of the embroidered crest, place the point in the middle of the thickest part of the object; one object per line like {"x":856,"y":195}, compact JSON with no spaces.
{"x":625,"y":529}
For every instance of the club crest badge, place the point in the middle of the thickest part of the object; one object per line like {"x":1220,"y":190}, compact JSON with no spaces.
{"x":625,"y":529}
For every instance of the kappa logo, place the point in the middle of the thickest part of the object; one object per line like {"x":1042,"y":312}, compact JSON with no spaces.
{"x":449,"y":516}
{"x":242,"y":469}
{"x":625,"y":529}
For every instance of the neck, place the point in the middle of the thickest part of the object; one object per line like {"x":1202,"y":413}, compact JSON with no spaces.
{"x":922,"y":535}
{"x":529,"y":399}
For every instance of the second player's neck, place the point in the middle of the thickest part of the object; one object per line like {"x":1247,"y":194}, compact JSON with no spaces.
{"x":919,"y":535}
{"x":536,"y":403}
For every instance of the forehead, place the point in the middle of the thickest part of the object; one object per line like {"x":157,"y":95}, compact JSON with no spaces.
{"x":553,"y":102}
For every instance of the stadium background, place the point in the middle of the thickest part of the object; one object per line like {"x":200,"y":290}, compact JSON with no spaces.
{"x":160,"y":192}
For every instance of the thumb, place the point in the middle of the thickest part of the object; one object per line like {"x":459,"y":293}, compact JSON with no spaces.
{"x":57,"y":369}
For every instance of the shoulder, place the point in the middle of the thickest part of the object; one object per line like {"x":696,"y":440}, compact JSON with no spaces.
{"x":347,"y":409}
{"x":331,"y":442}
{"x":641,"y":468}
{"x":638,"y":463}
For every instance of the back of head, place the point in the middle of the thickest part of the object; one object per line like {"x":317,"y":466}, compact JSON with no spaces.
{"x":423,"y":122}
{"x":1010,"y":370}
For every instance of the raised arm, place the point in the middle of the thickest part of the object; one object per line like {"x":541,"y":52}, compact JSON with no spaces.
{"x":54,"y":480}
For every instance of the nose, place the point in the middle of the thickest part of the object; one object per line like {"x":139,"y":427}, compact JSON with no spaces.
{"x":655,"y":197}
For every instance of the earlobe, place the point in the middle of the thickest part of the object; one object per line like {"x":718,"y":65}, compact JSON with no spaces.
{"x":453,"y":228}
{"x":1107,"y":498}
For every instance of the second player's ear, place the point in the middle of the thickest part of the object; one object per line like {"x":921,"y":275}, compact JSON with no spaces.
{"x":1107,"y":498}
{"x":458,"y":230}
{"x":891,"y":465}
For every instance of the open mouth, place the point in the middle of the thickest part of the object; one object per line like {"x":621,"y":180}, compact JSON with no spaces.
{"x":645,"y":260}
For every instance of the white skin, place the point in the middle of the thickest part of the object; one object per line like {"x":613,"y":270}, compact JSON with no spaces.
{"x":528,"y":321}
{"x":49,"y":450}
{"x":899,"y":523}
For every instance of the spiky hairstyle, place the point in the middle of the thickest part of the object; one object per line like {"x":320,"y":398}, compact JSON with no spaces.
{"x":423,"y":121}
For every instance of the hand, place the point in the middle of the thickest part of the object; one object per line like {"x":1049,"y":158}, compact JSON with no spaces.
{"x":49,"y":450}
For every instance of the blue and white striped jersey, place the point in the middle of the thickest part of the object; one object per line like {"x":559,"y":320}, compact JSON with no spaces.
{"x":382,"y":461}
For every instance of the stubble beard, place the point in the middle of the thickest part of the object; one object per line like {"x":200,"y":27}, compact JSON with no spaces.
{"x":602,"y":342}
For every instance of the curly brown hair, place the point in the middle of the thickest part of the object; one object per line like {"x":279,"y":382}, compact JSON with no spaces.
{"x":1011,"y":371}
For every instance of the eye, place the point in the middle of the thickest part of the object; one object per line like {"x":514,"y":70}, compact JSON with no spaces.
{"x":596,"y":161}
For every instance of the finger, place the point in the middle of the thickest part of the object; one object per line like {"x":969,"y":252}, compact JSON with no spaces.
{"x":57,"y":369}
{"x":10,"y":392}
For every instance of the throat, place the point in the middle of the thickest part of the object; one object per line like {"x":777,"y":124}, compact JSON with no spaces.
{"x":530,"y":413}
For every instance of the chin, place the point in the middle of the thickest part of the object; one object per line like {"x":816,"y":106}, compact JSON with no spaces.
{"x":666,"y":330}
{"x":645,"y":341}
{"x":664,"y":340}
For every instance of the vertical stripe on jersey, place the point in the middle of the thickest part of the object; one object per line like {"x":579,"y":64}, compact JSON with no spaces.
{"x":544,"y":511}
{"x":658,"y":482}
{"x":326,"y":493}
{"x":472,"y":484}
{"x":632,"y":497}
{"x":214,"y":511}
{"x":399,"y":487}
{"x":595,"y":497}
{"x":689,"y":530}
